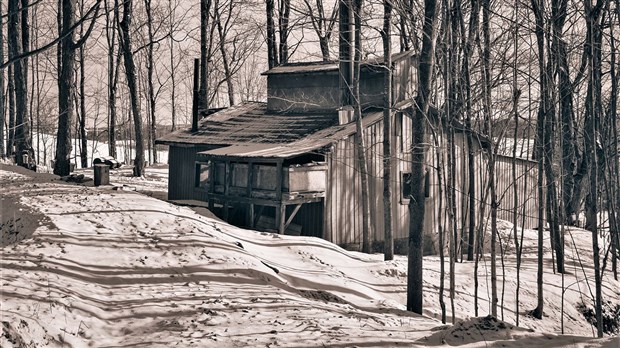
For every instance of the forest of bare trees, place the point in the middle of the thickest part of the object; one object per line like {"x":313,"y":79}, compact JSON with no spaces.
{"x":538,"y":78}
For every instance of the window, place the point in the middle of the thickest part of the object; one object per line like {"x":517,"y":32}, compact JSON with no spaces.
{"x":202,"y":175}
{"x":239,"y":174}
{"x":405,"y":185}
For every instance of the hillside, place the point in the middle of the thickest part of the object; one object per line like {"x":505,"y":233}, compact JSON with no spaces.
{"x":111,"y":267}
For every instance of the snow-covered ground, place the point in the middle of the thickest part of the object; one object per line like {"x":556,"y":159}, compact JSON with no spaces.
{"x":45,"y":145}
{"x":108,"y":266}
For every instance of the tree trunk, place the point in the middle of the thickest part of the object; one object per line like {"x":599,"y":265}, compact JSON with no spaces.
{"x":418,"y":150}
{"x":486,"y":60}
{"x":65,"y":95}
{"x":471,"y":167}
{"x":283,"y":24}
{"x":272,"y":51}
{"x":205,"y":8}
{"x":388,"y":246}
{"x":3,"y":148}
{"x":593,"y":115}
{"x":10,"y":148}
{"x":112,"y":76}
{"x":225,"y":61}
{"x":149,"y":76}
{"x":173,"y":83}
{"x":130,"y":72}
{"x":83,"y":136}
{"x":359,"y":127}
{"x":22,"y":139}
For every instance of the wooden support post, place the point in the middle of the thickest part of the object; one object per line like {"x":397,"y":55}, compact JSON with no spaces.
{"x":249,"y":192}
{"x":225,"y":208}
{"x":290,"y":218}
{"x":227,"y":175}
{"x":279,"y":179}
{"x":260,"y":212}
{"x":251,"y":216}
{"x":211,"y":189}
{"x":280,"y":217}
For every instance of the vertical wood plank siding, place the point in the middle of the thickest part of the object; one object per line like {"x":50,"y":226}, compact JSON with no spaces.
{"x":182,"y":173}
{"x":343,"y":198}
{"x":527,"y":192}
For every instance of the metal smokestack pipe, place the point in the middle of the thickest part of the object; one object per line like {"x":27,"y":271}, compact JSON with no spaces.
{"x":196,"y":96}
{"x":345,"y":51}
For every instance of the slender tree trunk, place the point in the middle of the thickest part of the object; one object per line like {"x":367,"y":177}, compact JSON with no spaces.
{"x":272,"y":51}
{"x":515,"y":106}
{"x":149,"y":74}
{"x":3,"y":148}
{"x":359,"y":135}
{"x":205,"y":8}
{"x":593,"y":115}
{"x":439,"y":153}
{"x":388,"y":247}
{"x":283,"y":24}
{"x":83,"y":136}
{"x":130,"y":72}
{"x":25,"y":36}
{"x":225,"y":60}
{"x":418,"y":150}
{"x":15,"y":44}
{"x":486,"y":61}
{"x":112,"y":76}
{"x":539,"y":10}
{"x":173,"y":82}
{"x":471,"y":166}
{"x":10,"y":149}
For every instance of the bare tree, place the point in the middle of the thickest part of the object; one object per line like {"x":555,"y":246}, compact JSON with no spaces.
{"x":130,"y":72}
{"x":15,"y":45}
{"x":594,"y":112}
{"x":359,"y":126}
{"x":113,"y":71}
{"x":486,"y":57}
{"x":205,"y":9}
{"x":82,"y":94}
{"x":150,"y":68}
{"x":322,"y":24}
{"x":66,"y":87}
{"x":418,"y":149}
{"x":272,"y":51}
{"x":3,"y":149}
{"x":388,"y":246}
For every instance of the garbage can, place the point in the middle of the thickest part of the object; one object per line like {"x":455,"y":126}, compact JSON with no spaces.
{"x":102,"y":174}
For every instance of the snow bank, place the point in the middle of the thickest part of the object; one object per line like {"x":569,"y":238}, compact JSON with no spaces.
{"x":117,"y":268}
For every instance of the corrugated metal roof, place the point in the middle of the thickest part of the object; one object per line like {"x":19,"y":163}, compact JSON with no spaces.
{"x":306,"y":144}
{"x":251,"y":123}
{"x":321,"y":66}
{"x":248,"y":130}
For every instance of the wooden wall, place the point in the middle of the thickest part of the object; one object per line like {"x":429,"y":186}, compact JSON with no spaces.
{"x":343,"y":209}
{"x":526,"y":183}
{"x":182,"y":172}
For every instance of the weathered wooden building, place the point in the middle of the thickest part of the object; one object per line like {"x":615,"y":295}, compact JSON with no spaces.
{"x":289,"y":165}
